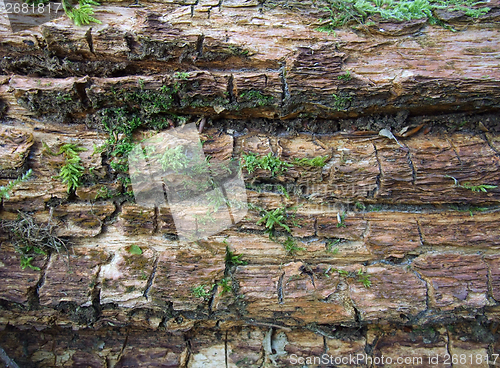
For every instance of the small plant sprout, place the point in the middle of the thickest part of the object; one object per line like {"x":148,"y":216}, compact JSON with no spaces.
{"x":5,"y":191}
{"x":201,"y":292}
{"x":291,"y":246}
{"x":181,"y":75}
{"x":341,"y":102}
{"x":364,"y":278}
{"x":273,"y":219}
{"x":475,"y":188}
{"x":331,"y":246}
{"x":346,"y":76}
{"x":342,"y":273}
{"x":135,"y":249}
{"x":232,"y":259}
{"x":225,"y":286}
{"x":340,"y":220}
{"x":72,"y":170}
{"x":360,"y":206}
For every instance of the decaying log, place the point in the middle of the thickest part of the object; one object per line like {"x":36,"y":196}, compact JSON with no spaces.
{"x":393,"y":244}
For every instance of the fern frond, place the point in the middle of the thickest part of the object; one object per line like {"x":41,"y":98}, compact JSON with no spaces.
{"x":82,"y":14}
{"x":89,"y":2}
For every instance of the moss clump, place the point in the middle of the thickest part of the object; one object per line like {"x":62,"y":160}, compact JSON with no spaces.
{"x":344,"y":12}
{"x":255,"y":98}
{"x":275,"y":165}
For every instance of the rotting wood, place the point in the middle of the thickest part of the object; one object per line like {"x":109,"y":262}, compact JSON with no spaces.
{"x":265,"y":81}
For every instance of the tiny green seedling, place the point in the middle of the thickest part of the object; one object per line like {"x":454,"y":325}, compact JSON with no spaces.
{"x":375,"y":208}
{"x":341,"y":102}
{"x":26,"y":262}
{"x":340,"y":220}
{"x":273,"y":219}
{"x":291,"y":246}
{"x":225,"y":286}
{"x":360,"y":206}
{"x":134,"y":249}
{"x":475,"y":188}
{"x":102,"y":193}
{"x":232,"y":259}
{"x":283,"y":191}
{"x":364,"y":278}
{"x":341,"y":273}
{"x":331,"y":246}
{"x":181,"y":75}
{"x":346,"y":76}
{"x":5,"y":191}
{"x":201,"y":292}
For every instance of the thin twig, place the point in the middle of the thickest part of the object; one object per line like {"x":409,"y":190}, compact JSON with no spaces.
{"x":8,"y":362}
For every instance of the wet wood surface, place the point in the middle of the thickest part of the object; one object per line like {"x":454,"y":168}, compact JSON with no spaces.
{"x":389,"y":235}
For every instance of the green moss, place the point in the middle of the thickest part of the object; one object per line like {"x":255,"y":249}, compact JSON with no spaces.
{"x":201,"y":291}
{"x":341,"y":103}
{"x":319,"y":161}
{"x":136,"y":262}
{"x":255,"y":98}
{"x":343,"y":12}
{"x":275,"y":165}
{"x":346,"y":76}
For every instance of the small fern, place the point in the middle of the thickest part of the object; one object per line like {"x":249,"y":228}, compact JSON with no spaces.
{"x":474,"y":188}
{"x":72,"y":170}
{"x":83,"y":14}
{"x":273,"y":219}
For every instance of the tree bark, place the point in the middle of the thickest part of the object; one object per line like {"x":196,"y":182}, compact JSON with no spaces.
{"x":390,"y":234}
